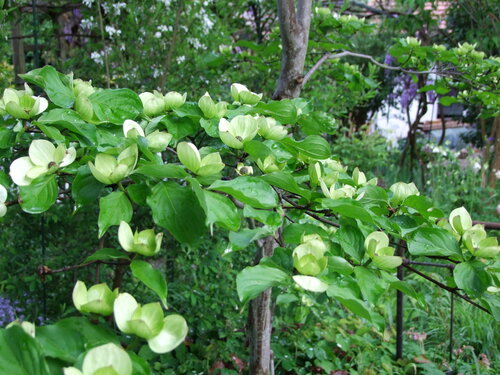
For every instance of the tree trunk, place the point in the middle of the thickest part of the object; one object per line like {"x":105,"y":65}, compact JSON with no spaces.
{"x":18,"y":59}
{"x":260,"y":320}
{"x":495,"y":164}
{"x":294,"y":27}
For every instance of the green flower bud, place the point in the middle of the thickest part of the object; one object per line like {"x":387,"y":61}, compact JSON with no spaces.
{"x":346,"y":191}
{"x":82,"y":88}
{"x":244,"y":170}
{"x":207,"y":106}
{"x":241,"y":129}
{"x":190,"y":157}
{"x":358,"y":177}
{"x":153,"y":103}
{"x":377,"y":248}
{"x":269,"y":128}
{"x":110,"y":170}
{"x":243,"y":95}
{"x":315,"y":174}
{"x":145,"y":242}
{"x":158,"y":141}
{"x":488,"y":248}
{"x":323,"y":12}
{"x":132,"y":129}
{"x":43,"y":158}
{"x":98,"y":299}
{"x":269,"y":164}
{"x":401,"y":191}
{"x":22,"y":105}
{"x":460,"y":220}
{"x":108,"y":359}
{"x":174,"y":100}
{"x":309,"y":257}
{"x":163,"y":334}
{"x":84,"y":108}
{"x":3,"y":198}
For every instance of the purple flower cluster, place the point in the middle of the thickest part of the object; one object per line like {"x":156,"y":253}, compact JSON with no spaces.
{"x":409,"y":92}
{"x":9,"y":311}
{"x":71,"y":25}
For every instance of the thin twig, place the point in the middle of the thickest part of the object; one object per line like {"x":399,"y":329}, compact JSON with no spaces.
{"x":106,"y":62}
{"x":446,"y":287}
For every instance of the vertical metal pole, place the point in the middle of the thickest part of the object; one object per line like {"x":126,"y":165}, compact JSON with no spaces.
{"x":452,"y":313}
{"x":399,"y":310}
{"x":44,"y":291}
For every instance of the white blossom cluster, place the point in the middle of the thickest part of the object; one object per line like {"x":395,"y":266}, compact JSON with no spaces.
{"x":117,"y":8}
{"x":87,"y":23}
{"x":112,"y":31}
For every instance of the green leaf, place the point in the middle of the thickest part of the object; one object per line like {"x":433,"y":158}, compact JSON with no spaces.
{"x":139,"y":365}
{"x":285,"y":181}
{"x":351,"y":240}
{"x":423,"y":205}
{"x":71,"y":120}
{"x":284,"y":110}
{"x":347,"y":298}
{"x":313,"y":146}
{"x":176,"y":209}
{"x":106,"y":254}
{"x":316,"y":123}
{"x":113,"y":208}
{"x":116,"y":105}
{"x":267,"y":217}
{"x":218,"y":208}
{"x":292,"y":234}
{"x":250,"y":190}
{"x":7,"y":137}
{"x":52,"y":132}
{"x":257,"y":150}
{"x":447,"y":100}
{"x":85,"y":189}
{"x":180,"y":127}
{"x":151,"y":277}
{"x":254,"y":280}
{"x":349,"y":208}
{"x":241,"y":239}
{"x":40,"y":195}
{"x":60,"y":342}
{"x":472,"y":277}
{"x":94,"y":335}
{"x":339,"y":265}
{"x":371,"y":285}
{"x":20,"y":353}
{"x":55,"y":84}
{"x":433,"y":241}
{"x":211,"y":126}
{"x":162,"y":171}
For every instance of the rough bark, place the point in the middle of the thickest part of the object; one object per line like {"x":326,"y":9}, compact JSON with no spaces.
{"x":495,"y":164}
{"x":260,"y":320}
{"x":294,"y":28}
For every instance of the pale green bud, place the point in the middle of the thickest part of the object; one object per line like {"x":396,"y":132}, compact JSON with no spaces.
{"x":244,"y":170}
{"x":241,"y":129}
{"x":163,"y":334}
{"x":153,"y":103}
{"x":174,"y":100}
{"x":412,"y":42}
{"x":23,"y":105}
{"x":190,"y":157}
{"x":315,"y":174}
{"x":269,"y":128}
{"x":460,"y":220}
{"x":323,"y":12}
{"x":82,"y":88}
{"x":401,"y":191}
{"x":269,"y":164}
{"x":207,"y":106}
{"x":146,"y":242}
{"x":309,"y":257}
{"x":488,"y":248}
{"x":108,"y":359}
{"x":376,"y":241}
{"x":358,"y":177}
{"x":377,"y":248}
{"x":43,"y":158}
{"x":110,"y":170}
{"x":98,"y":299}
{"x":84,"y":107}
{"x":132,"y":129}
{"x":158,"y":141}
{"x":473,"y":236}
{"x":243,"y":95}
